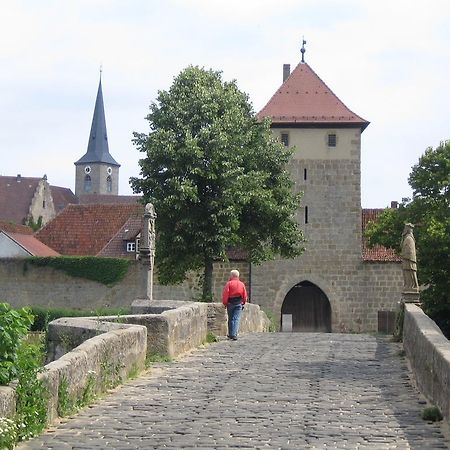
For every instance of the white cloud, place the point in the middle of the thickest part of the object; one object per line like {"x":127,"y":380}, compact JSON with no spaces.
{"x":386,"y":60}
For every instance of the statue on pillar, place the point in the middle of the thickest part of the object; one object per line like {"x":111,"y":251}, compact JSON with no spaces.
{"x":409,"y":261}
{"x":147,"y":251}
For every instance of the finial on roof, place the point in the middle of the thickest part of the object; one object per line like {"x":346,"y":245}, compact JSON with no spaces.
{"x":303,"y":49}
{"x":101,"y":70}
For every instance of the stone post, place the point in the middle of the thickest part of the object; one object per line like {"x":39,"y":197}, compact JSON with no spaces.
{"x":147,"y":252}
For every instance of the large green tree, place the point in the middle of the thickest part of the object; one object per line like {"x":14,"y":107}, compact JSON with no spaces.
{"x":429,"y":210}
{"x":217,"y":178}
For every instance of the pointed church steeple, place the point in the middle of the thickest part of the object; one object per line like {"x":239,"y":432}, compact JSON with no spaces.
{"x":98,"y":149}
{"x":97,"y":172}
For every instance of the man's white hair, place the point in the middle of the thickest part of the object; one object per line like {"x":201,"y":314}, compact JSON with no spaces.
{"x":234,"y":273}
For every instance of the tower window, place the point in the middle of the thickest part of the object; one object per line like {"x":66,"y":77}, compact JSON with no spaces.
{"x":332,"y":139}
{"x":87,"y":183}
{"x":306,"y":214}
{"x":305,"y":174}
{"x":108,"y":184}
{"x":285,"y":139}
{"x":43,"y":204}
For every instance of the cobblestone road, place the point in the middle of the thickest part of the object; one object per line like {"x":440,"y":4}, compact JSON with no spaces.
{"x":289,"y":391}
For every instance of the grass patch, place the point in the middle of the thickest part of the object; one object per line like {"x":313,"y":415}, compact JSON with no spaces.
{"x":432,"y":414}
{"x":154,"y":358}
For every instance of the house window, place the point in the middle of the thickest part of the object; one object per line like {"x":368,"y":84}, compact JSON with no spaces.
{"x":87,"y":183}
{"x":285,"y":139}
{"x":131,"y":247}
{"x":306,"y":214}
{"x":108,"y":184}
{"x":332,"y":139}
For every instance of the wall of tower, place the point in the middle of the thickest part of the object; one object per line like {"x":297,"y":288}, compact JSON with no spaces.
{"x":98,"y":173}
{"x":330,"y":216}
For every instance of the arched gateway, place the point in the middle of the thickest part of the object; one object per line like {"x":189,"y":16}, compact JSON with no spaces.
{"x":309,"y":308}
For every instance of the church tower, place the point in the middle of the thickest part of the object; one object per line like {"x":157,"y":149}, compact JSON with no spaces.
{"x":97,"y":172}
{"x":320,"y":290}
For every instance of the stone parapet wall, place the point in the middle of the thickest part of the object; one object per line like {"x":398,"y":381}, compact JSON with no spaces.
{"x":108,"y":358}
{"x":7,"y":401}
{"x":428,"y":351}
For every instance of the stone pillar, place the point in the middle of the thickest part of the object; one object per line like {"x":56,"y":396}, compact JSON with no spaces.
{"x":147,"y":252}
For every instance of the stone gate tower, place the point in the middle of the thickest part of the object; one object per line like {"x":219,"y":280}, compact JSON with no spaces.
{"x":326,"y":288}
{"x":97,"y":172}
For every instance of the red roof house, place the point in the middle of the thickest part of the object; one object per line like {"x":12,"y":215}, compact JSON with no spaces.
{"x":88,"y":229}
{"x":18,"y":241}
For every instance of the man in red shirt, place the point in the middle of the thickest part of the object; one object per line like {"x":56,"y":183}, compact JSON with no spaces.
{"x":234,"y":297}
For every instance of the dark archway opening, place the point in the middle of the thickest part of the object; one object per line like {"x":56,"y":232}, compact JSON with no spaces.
{"x":309,"y":307}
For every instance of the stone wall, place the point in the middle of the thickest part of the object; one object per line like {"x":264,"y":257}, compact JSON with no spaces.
{"x":23,"y":284}
{"x":428,"y":351}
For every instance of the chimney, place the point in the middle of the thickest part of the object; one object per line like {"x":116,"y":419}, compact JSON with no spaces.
{"x":286,"y":71}
{"x":19,"y":178}
{"x":394,"y":204}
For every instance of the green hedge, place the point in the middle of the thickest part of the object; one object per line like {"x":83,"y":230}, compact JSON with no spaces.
{"x":44,"y":315}
{"x":108,"y":271}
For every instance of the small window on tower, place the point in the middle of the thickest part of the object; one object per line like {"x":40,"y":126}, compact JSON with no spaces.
{"x":43,"y":204}
{"x":306,"y":214}
{"x":332,"y":140}
{"x":108,"y":184}
{"x":305,"y":174}
{"x":87,"y":183}
{"x":285,"y":139}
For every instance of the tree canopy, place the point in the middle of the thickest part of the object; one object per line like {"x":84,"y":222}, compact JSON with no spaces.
{"x":216,"y":176}
{"x":429,"y":210}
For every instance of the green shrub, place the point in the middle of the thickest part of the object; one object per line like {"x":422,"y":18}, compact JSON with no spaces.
{"x":432,"y":414}
{"x":31,"y":393}
{"x":14,"y":326}
{"x":108,"y":271}
{"x":8,"y":433}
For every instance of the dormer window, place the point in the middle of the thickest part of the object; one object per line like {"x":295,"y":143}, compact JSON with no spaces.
{"x":131,"y":247}
{"x":332,"y":139}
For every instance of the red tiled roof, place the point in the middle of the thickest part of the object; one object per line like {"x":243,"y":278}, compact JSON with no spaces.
{"x":62,"y":197}
{"x":10,"y":227}
{"x":86,"y":229}
{"x":377,"y":253}
{"x":116,"y":247}
{"x":16,"y":194}
{"x":32,"y":245}
{"x":305,"y":99}
{"x":89,"y":199}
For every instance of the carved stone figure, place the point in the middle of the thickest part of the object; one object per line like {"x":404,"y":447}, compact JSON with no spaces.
{"x":409,"y":260}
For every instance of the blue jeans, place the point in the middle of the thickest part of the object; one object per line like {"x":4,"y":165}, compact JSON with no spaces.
{"x":234,"y":317}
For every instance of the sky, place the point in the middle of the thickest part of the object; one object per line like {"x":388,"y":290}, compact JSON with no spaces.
{"x":388,"y":61}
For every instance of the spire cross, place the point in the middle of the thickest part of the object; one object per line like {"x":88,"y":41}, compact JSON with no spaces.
{"x":303,"y":49}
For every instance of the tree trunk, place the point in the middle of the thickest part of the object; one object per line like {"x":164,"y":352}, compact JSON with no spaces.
{"x":207,"y":280}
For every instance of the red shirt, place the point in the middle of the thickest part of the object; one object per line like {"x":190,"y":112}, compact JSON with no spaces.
{"x":234,"y":288}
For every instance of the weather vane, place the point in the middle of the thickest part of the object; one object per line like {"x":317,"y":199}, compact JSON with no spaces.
{"x":303,"y":49}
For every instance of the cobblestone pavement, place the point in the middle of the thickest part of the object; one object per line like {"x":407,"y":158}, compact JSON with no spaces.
{"x":273,"y":390}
